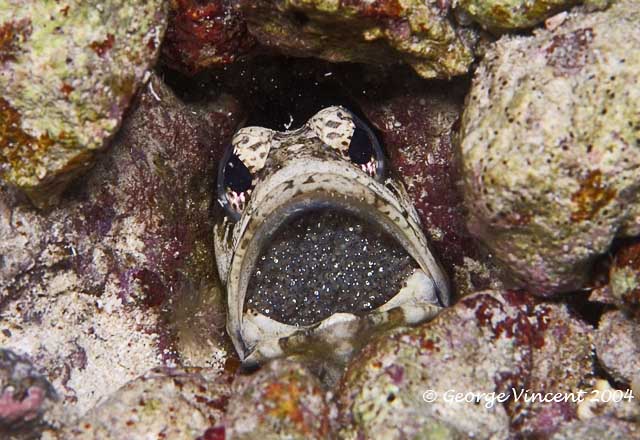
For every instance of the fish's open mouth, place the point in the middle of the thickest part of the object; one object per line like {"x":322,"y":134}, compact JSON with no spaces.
{"x":326,"y":261}
{"x":324,"y":255}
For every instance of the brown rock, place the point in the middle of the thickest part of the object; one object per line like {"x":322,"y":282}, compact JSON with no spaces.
{"x":204,"y":34}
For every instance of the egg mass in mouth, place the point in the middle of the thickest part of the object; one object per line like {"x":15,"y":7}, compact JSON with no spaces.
{"x":326,"y":261}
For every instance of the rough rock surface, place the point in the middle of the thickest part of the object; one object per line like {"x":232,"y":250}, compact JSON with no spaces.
{"x":25,"y":395}
{"x":505,"y":15}
{"x":624,"y":279}
{"x":69,"y":70}
{"x":597,"y":429}
{"x":120,"y":277}
{"x":603,"y":400}
{"x":550,"y":146}
{"x":562,"y":364}
{"x":617,"y":344}
{"x":381,"y":32}
{"x":281,"y":400}
{"x":204,"y":34}
{"x":163,"y":403}
{"x":489,"y":342}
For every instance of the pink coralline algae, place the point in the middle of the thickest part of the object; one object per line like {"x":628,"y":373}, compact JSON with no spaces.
{"x":13,"y":409}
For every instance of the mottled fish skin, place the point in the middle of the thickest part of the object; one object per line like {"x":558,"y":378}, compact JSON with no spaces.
{"x":292,"y":170}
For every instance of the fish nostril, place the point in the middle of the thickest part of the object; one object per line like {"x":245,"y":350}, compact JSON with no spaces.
{"x":360,"y":148}
{"x":237,"y":176}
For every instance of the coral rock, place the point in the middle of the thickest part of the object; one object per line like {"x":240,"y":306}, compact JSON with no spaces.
{"x":624,"y":279}
{"x":25,"y":394}
{"x":203,"y":34}
{"x":380,"y":32}
{"x":505,"y":15}
{"x":69,"y":70}
{"x":562,"y":364}
{"x":597,"y":429}
{"x":281,"y":400}
{"x":618,"y":346}
{"x":550,"y":147}
{"x":120,"y":276}
{"x":163,"y":403}
{"x":490,"y":342}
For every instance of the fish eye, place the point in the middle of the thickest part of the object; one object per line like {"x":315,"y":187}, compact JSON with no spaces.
{"x":360,"y":148}
{"x":352,"y":138}
{"x":235,"y":184}
{"x":236,"y":175}
{"x":365,"y":150}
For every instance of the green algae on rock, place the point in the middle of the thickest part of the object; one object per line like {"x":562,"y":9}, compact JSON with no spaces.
{"x":550,"y":146}
{"x":68,"y":71}
{"x":381,"y":32}
{"x":505,"y":15}
{"x":500,"y":16}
